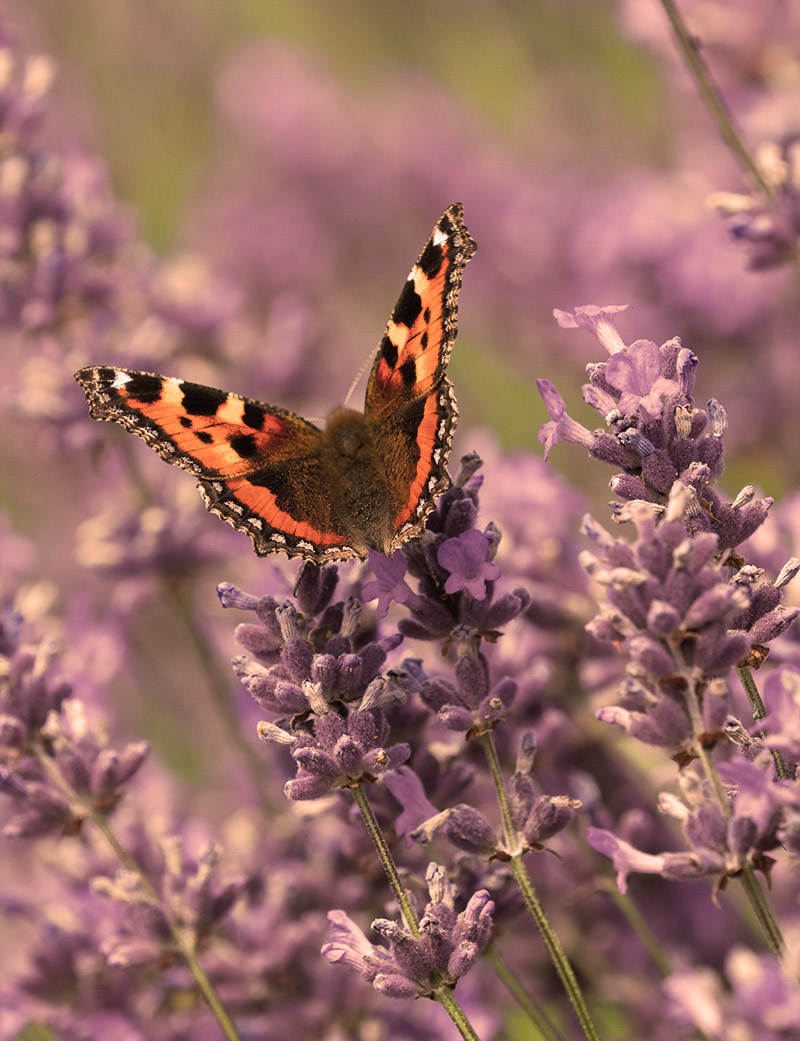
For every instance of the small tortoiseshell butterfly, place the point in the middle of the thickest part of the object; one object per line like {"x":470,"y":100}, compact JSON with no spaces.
{"x":368,"y":480}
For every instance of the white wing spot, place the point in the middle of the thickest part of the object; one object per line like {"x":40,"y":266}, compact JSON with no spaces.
{"x":120,"y":380}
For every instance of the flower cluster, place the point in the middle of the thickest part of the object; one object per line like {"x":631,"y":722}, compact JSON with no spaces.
{"x":535,"y":817}
{"x":411,"y":966}
{"x":54,"y":764}
{"x":317,"y":666}
{"x":769,"y":224}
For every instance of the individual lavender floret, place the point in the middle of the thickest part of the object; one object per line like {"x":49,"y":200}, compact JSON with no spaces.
{"x":39,"y":723}
{"x":320,"y":671}
{"x":655,"y":434}
{"x":447,"y":949}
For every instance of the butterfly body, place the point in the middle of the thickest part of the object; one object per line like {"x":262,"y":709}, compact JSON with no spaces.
{"x":367,"y":480}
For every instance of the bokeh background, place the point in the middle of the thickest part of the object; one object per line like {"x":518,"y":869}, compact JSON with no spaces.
{"x":234,"y":193}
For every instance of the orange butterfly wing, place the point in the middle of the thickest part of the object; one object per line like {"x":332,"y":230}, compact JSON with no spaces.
{"x":259,"y":467}
{"x":409,"y":399}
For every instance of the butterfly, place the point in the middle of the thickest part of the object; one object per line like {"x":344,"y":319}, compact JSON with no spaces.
{"x":368,"y":480}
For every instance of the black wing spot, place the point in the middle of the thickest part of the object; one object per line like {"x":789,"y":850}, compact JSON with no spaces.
{"x":388,"y":352}
{"x":201,"y":401}
{"x":204,"y":437}
{"x":427,"y":316}
{"x":409,"y":307}
{"x":431,"y":260}
{"x":252,"y":416}
{"x":144,"y":388}
{"x":423,"y":340}
{"x":185,"y":422}
{"x":274,"y":481}
{"x":408,"y":371}
{"x":244,"y":445}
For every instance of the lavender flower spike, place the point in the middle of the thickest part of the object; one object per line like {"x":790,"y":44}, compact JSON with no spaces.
{"x":447,"y":949}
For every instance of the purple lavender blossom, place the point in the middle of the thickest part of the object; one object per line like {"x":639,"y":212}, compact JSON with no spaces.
{"x":755,"y":998}
{"x":446,"y":950}
{"x":56,"y":767}
{"x":681,"y":613}
{"x":313,"y":670}
{"x":721,"y":844}
{"x":493,"y":626}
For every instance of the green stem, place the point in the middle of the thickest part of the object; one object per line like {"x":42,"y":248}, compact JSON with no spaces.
{"x":711,"y":96}
{"x":757,"y":708}
{"x":554,"y":948}
{"x":640,"y":926}
{"x":186,"y":951}
{"x":387,"y":862}
{"x":552,"y":943}
{"x":545,"y":1030}
{"x":445,"y":998}
{"x":442,"y":994}
{"x":762,"y":910}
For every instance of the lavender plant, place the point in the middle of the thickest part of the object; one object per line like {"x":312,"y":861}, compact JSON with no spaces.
{"x":472,"y":735}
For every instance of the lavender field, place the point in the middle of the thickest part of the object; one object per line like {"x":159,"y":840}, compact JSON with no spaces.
{"x":532,"y":777}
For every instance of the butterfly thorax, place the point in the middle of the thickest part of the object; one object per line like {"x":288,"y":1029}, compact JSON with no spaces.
{"x":360,"y":493}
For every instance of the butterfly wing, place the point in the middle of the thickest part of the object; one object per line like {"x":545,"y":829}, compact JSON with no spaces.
{"x":259,"y":467}
{"x":409,"y":400}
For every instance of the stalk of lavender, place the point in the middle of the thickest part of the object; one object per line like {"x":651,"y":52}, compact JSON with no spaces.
{"x":456,"y":575}
{"x":313,"y":662}
{"x":767,"y":217}
{"x":711,"y":96}
{"x":681,"y":603}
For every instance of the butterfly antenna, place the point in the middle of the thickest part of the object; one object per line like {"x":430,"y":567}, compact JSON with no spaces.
{"x":367,"y":362}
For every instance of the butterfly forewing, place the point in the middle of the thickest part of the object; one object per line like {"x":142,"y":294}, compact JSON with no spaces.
{"x":255,"y":462}
{"x":408,"y":396}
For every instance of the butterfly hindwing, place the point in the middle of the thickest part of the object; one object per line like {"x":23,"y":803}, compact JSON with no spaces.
{"x":255,"y":463}
{"x":409,"y":398}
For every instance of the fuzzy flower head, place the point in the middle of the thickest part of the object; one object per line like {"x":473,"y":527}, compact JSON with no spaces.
{"x":654,"y":433}
{"x":682,"y":617}
{"x":447,"y":947}
{"x":536,"y":817}
{"x":720,"y":844}
{"x":316,"y":666}
{"x":55,"y":764}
